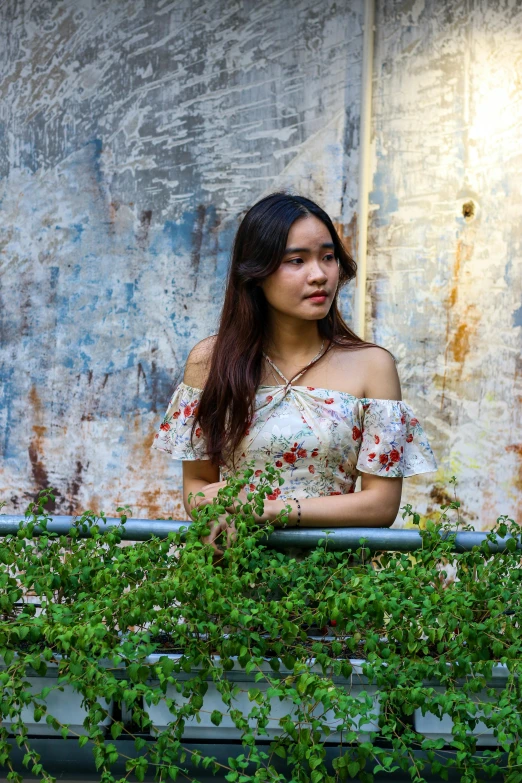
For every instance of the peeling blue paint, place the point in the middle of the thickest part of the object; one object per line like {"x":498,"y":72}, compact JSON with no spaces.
{"x":383,"y":195}
{"x":8,"y":390}
{"x":129,"y":295}
{"x":87,"y":360}
{"x":517,"y":317}
{"x":78,"y":229}
{"x":86,"y":339}
{"x":179,"y":234}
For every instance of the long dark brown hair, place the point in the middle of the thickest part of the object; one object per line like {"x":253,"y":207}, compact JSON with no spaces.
{"x":226,"y":405}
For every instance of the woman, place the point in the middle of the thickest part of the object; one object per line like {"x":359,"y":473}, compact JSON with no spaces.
{"x":239,"y":397}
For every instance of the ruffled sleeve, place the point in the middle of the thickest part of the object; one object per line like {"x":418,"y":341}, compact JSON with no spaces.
{"x":173,"y":435}
{"x":393,"y":441}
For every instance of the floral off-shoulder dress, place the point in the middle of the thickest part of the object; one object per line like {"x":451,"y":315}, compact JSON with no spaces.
{"x":320,"y":439}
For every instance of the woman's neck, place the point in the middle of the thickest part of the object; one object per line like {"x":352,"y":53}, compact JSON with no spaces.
{"x":294,"y":347}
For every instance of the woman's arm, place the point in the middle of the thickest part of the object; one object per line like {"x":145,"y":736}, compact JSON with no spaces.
{"x":197,"y":474}
{"x":376,"y":505}
{"x":378,"y":502}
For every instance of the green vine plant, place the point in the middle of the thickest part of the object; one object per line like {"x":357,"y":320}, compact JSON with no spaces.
{"x":318,"y":666}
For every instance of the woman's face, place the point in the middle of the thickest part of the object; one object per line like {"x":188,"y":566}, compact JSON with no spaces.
{"x":308,"y":266}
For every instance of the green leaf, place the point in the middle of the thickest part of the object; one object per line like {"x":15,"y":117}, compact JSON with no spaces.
{"x":116,"y":729}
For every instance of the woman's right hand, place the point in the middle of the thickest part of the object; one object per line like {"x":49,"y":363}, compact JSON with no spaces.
{"x":217,"y":527}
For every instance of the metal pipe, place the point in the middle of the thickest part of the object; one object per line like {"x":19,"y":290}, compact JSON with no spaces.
{"x":359,"y":313}
{"x":339,"y":539}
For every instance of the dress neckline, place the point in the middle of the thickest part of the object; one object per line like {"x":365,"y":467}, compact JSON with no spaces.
{"x":308,"y":388}
{"x":289,"y":383}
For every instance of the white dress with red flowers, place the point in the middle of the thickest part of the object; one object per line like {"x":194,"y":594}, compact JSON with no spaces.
{"x":320,"y":439}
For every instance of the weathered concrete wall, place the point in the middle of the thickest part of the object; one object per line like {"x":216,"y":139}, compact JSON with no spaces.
{"x":445,"y":289}
{"x":132,"y":135}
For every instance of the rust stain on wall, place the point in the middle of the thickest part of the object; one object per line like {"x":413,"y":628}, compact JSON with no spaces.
{"x":460,"y":342}
{"x":152,"y":500}
{"x":348,"y":234}
{"x":36,"y":446}
{"x":458,"y":334}
{"x":74,"y":487}
{"x":516,"y":448}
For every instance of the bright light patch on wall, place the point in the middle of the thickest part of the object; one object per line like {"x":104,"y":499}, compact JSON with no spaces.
{"x":492,"y":107}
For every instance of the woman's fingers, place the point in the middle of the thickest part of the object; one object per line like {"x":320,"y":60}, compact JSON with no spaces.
{"x":231,"y":533}
{"x":216,"y":529}
{"x":210,"y":492}
{"x":242,"y":496}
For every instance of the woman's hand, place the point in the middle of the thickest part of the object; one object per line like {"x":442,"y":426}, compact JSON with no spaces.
{"x":220,"y":526}
{"x":217,"y":528}
{"x":210,"y":492}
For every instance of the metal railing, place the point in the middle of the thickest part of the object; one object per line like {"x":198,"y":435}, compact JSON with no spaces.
{"x":339,"y":539}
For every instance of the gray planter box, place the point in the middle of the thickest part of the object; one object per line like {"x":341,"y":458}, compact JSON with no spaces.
{"x":433,"y":727}
{"x":356,"y":685}
{"x":65,"y":705}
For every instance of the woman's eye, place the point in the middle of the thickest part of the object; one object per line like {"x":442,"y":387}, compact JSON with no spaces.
{"x":329,"y":257}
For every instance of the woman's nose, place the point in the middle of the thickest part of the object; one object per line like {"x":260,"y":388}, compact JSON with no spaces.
{"x":317,"y":272}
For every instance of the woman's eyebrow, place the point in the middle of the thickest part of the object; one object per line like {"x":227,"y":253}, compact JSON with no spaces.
{"x":307,"y":249}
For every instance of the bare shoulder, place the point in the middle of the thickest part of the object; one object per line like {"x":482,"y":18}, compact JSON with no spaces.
{"x":198,"y":362}
{"x":381,"y":379}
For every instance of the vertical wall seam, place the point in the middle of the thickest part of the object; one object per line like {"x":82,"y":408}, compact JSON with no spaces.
{"x":359,"y":315}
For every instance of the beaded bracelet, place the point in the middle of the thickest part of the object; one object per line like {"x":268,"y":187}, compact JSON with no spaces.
{"x":298,"y":511}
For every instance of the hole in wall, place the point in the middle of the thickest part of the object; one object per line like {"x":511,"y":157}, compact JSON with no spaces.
{"x":468,"y":209}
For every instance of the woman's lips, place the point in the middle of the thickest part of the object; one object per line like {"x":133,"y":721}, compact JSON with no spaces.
{"x":319,"y":299}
